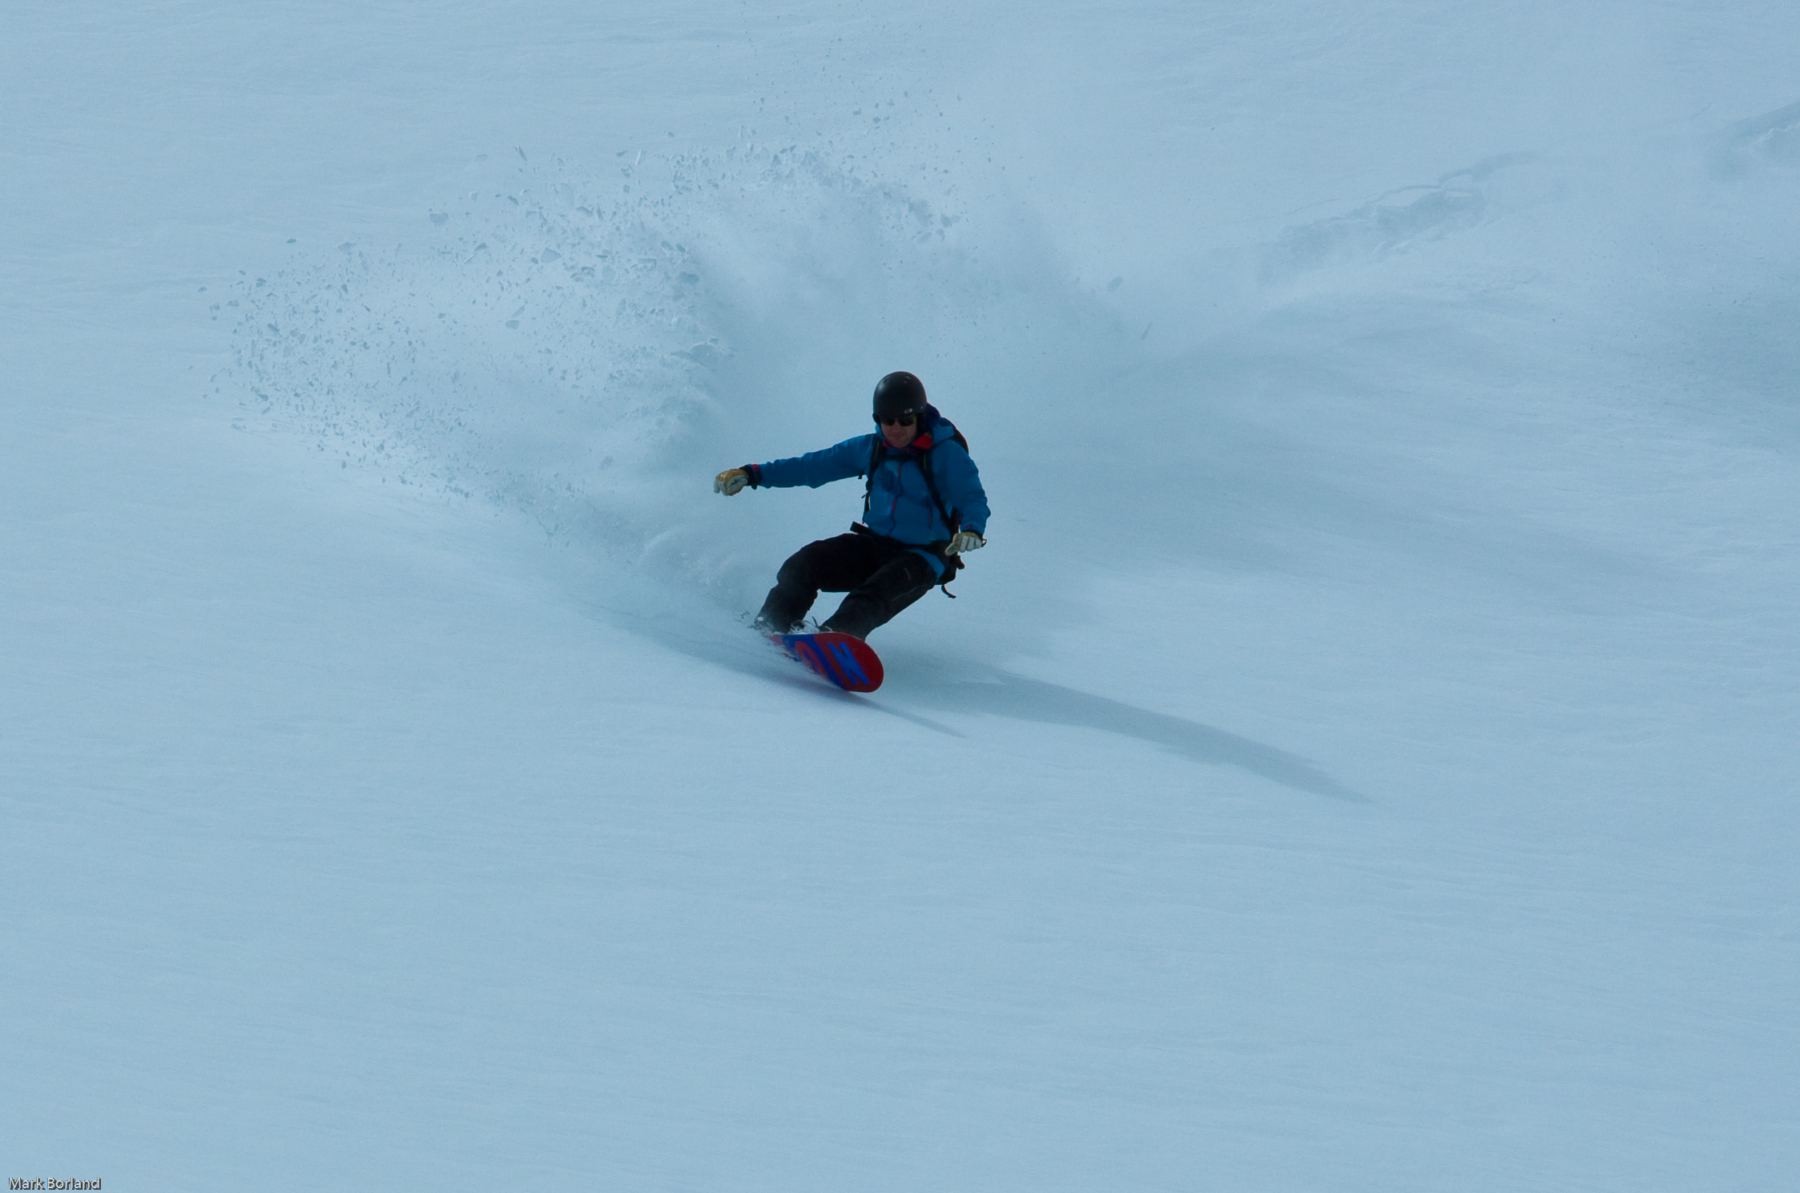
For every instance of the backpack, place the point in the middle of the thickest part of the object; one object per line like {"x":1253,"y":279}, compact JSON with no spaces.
{"x":952,"y":563}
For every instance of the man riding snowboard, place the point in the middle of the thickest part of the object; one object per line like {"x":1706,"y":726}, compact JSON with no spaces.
{"x":924,"y":508}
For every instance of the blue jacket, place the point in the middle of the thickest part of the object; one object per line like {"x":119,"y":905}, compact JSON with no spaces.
{"x":900,"y":504}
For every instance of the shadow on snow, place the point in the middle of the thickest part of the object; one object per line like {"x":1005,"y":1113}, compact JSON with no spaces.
{"x":1003,"y":693}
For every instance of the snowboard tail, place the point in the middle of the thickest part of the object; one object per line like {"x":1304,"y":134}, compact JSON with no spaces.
{"x":841,"y":659}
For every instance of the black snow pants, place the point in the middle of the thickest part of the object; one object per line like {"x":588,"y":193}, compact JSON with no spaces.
{"x":881,"y":575}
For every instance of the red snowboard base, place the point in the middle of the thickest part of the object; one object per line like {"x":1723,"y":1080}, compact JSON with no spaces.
{"x":845,"y":661}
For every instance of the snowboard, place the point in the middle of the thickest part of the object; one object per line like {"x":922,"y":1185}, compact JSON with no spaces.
{"x":843,"y":660}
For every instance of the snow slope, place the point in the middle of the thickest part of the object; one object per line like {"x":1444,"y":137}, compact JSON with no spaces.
{"x":1363,"y":758}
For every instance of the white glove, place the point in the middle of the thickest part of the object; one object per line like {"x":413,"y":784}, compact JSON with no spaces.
{"x":963,"y":542}
{"x":731,"y":482}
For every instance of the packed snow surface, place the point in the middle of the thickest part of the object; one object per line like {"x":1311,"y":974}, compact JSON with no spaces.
{"x":1363,"y":758}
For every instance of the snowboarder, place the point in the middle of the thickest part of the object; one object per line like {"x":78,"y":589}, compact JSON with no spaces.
{"x":923,"y":510}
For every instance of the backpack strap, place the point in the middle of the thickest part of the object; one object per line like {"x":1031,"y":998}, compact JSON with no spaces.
{"x":952,"y":563}
{"x":875,"y":454}
{"x":952,"y":518}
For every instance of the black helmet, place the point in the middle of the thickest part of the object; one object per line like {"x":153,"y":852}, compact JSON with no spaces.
{"x":897,"y":394}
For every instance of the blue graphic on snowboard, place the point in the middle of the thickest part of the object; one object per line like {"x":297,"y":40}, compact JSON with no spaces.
{"x":845,"y":661}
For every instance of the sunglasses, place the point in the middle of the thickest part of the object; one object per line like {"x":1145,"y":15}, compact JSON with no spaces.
{"x":904,"y":420}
